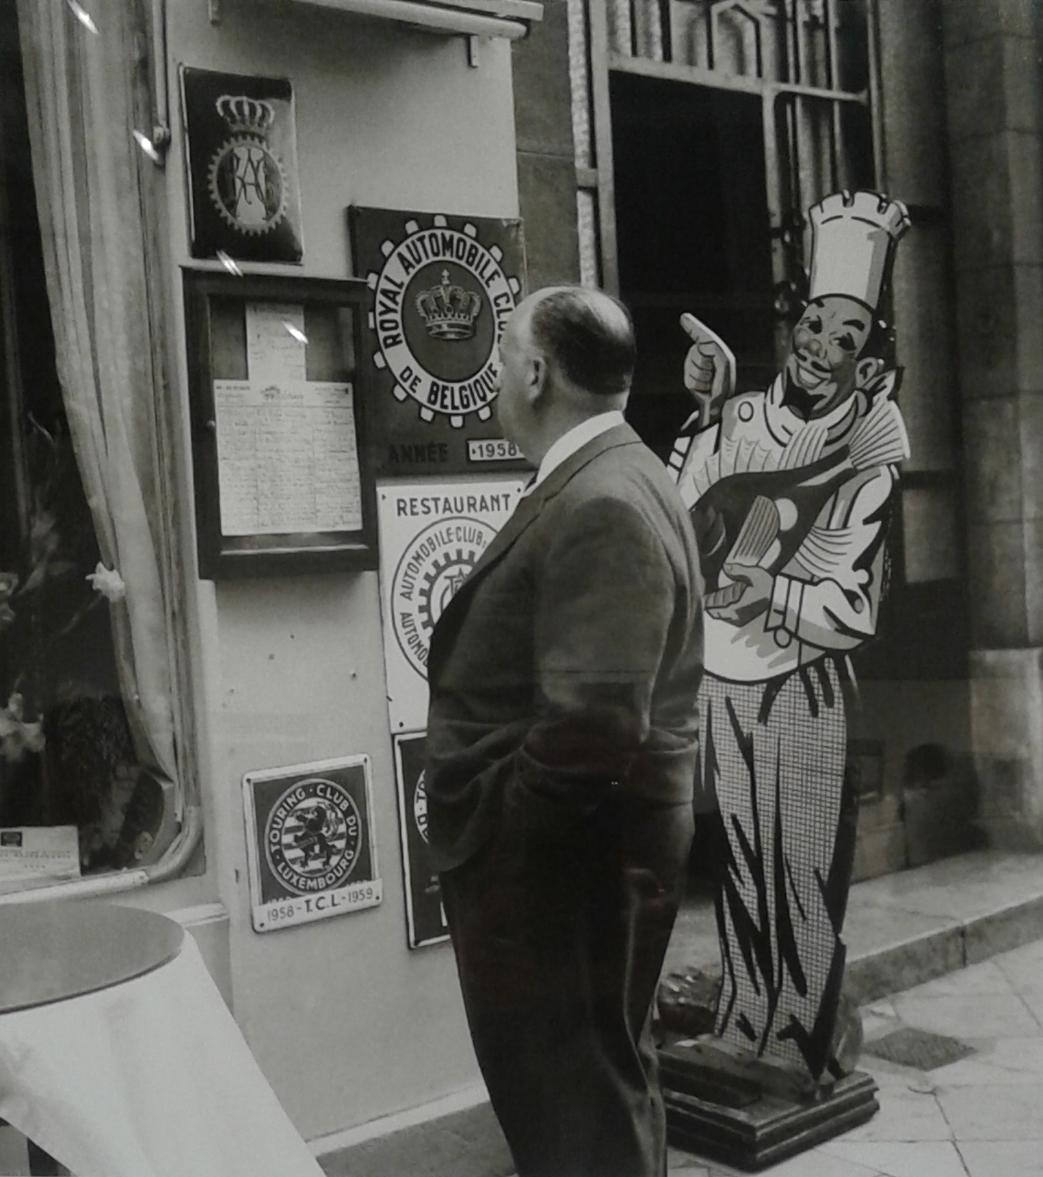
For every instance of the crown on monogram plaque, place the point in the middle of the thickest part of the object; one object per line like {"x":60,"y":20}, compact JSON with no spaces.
{"x":246,"y":116}
{"x":853,"y":236}
{"x":449,"y":311}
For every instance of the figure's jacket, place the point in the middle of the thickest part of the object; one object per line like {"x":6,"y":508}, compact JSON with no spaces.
{"x":567,"y":664}
{"x":826,"y":595}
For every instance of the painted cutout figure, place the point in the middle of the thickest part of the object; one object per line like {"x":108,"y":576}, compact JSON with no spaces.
{"x":790,"y":489}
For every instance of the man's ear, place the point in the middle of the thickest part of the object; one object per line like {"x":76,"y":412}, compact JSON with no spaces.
{"x":867,"y":370}
{"x":536,"y":381}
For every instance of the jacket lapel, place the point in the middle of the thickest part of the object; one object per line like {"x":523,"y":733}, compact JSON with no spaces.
{"x":529,"y":508}
{"x":525,"y":513}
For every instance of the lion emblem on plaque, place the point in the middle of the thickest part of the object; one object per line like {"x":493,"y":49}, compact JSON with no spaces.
{"x":316,"y":827}
{"x":312,"y":836}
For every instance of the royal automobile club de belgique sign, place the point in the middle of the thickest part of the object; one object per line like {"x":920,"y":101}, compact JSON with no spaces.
{"x":442,"y":290}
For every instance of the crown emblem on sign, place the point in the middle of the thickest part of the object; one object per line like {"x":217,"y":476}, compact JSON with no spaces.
{"x":246,"y":116}
{"x":853,"y":237}
{"x":448,"y":311}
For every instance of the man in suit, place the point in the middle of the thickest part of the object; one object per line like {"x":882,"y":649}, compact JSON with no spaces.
{"x":561,"y":753}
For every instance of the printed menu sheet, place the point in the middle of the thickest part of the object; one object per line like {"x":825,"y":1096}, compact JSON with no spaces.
{"x":287,"y":455}
{"x":287,"y":451}
{"x":275,"y":341}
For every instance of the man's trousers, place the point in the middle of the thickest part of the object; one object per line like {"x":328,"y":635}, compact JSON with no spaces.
{"x":560,"y":930}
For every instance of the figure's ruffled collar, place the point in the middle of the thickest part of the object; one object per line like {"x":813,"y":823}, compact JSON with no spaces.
{"x":783,"y":422}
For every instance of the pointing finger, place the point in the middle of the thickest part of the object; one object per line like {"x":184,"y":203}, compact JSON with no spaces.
{"x":691,"y":326}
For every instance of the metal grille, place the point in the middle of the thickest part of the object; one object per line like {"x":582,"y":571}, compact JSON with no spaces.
{"x":911,"y":1047}
{"x":798,"y":42}
{"x":812,"y":63}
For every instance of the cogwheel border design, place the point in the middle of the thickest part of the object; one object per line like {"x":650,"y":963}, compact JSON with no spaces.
{"x":439,"y":565}
{"x":211,"y":183}
{"x":380,"y":361}
{"x":421,"y":611}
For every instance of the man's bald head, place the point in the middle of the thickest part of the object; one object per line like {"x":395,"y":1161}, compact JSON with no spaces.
{"x":566,"y":354}
{"x":586,"y":334}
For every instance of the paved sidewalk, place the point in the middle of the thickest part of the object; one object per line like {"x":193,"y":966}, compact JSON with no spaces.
{"x":981,"y":1116}
{"x":902,"y":930}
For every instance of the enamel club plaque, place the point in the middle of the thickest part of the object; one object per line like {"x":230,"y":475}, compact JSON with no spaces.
{"x":425,"y":915}
{"x":310,"y":846}
{"x":241,"y":136}
{"x":431,"y":535}
{"x":442,"y":289}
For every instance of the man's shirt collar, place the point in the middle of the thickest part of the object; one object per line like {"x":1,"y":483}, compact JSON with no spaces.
{"x":574,"y":440}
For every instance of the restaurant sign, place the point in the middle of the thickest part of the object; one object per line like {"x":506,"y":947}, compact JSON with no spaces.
{"x":431,"y":535}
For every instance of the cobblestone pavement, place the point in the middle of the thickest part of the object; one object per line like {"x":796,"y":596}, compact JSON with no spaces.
{"x":981,"y":1116}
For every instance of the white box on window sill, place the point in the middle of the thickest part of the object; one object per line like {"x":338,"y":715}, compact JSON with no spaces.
{"x":36,"y":852}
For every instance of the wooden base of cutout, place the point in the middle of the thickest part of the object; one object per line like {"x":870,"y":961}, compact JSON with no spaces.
{"x":718,"y":1114}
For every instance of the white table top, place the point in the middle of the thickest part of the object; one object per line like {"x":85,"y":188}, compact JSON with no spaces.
{"x":57,"y":949}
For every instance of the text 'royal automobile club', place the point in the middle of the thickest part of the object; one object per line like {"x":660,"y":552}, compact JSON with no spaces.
{"x":451,"y":307}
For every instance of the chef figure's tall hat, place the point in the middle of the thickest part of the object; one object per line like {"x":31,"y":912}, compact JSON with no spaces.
{"x":853,"y":237}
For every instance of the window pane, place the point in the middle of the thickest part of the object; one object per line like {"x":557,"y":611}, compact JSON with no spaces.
{"x":74,"y":795}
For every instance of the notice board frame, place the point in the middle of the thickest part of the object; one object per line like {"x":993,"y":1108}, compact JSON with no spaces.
{"x":287,"y":553}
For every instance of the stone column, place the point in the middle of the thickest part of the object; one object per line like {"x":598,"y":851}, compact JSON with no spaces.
{"x":546,"y":159}
{"x":993,"y":98}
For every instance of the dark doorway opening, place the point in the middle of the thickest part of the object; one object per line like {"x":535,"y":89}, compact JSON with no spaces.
{"x":692,"y":234}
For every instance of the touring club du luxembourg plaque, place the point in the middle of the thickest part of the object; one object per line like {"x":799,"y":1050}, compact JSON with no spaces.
{"x":442,"y":288}
{"x":310,"y":843}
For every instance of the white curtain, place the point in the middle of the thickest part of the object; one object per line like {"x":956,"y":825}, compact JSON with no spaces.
{"x":85,"y":95}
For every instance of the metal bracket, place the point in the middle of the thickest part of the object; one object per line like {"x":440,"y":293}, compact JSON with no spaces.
{"x":161,"y":138}
{"x":473,"y":46}
{"x":161,"y":135}
{"x":214,"y":11}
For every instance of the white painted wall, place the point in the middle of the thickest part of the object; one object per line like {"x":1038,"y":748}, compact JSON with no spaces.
{"x":346,"y":1023}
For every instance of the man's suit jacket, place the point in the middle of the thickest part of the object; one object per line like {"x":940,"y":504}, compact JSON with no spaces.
{"x":568,"y":662}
